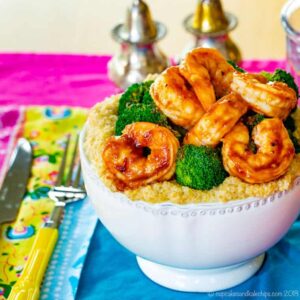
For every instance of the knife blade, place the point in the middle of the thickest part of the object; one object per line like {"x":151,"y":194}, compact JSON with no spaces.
{"x":15,"y":181}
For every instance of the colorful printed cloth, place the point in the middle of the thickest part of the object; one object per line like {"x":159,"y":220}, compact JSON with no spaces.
{"x":55,"y":80}
{"x":46,"y":128}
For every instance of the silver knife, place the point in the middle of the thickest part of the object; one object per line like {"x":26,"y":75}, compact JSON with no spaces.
{"x":15,"y":181}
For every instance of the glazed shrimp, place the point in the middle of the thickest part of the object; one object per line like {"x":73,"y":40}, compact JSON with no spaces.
{"x":176,"y":98}
{"x":208,"y":73}
{"x":217,"y":122}
{"x":275,"y":151}
{"x":273,"y":99}
{"x":145,"y":153}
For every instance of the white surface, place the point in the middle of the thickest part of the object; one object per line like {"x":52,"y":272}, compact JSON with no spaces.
{"x":205,"y":280}
{"x":195,"y":236}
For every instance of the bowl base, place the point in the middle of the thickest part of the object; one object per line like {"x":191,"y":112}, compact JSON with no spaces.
{"x":202,"y":280}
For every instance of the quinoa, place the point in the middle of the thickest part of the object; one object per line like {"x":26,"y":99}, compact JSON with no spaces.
{"x":101,"y":126}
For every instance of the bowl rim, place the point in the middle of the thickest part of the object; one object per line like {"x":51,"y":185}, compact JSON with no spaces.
{"x":212,"y":208}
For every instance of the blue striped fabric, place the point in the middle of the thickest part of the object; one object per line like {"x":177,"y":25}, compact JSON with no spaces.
{"x":63,"y":273}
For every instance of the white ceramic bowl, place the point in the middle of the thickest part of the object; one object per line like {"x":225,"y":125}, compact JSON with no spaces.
{"x":196,"y":247}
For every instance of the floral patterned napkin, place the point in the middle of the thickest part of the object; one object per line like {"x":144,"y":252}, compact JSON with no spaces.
{"x":46,"y":128}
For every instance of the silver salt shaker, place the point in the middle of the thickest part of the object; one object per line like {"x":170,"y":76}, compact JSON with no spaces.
{"x":139,"y":55}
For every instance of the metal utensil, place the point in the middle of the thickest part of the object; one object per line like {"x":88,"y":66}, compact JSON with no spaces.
{"x":65,"y":191}
{"x":15,"y":182}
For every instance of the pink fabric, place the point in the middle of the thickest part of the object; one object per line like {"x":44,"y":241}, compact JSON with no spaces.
{"x":42,"y":79}
{"x":10,"y":118}
{"x":76,"y":80}
{"x":256,"y":66}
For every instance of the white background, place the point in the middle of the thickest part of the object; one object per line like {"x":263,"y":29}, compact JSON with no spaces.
{"x":83,"y":26}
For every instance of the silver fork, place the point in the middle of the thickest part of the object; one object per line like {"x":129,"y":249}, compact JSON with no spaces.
{"x":65,"y":191}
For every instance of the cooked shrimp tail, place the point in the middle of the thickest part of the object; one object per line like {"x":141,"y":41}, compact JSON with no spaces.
{"x":209,"y":73}
{"x":273,"y":99}
{"x":217,"y":121}
{"x":175,"y":97}
{"x":275,"y":151}
{"x":145,"y":153}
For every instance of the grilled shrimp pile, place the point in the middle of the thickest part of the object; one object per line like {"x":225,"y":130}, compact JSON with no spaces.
{"x":206,"y":96}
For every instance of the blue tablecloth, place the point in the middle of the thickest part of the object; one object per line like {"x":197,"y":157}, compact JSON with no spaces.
{"x":111,"y":272}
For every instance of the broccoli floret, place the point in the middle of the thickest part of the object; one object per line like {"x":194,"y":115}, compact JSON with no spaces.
{"x":283,"y":76}
{"x":139,"y":112}
{"x":289,"y":124}
{"x":295,"y":141}
{"x":136,"y":93}
{"x":237,"y":68}
{"x":199,"y":167}
{"x":147,"y":99}
{"x":137,"y":105}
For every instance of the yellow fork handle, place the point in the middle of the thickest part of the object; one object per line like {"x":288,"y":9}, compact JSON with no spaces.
{"x":27,"y":286}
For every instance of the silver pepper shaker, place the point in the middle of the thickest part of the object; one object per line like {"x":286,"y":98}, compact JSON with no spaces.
{"x":210,"y":27}
{"x":139,"y":55}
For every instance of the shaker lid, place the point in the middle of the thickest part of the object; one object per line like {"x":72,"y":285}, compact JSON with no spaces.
{"x":210,"y":19}
{"x":139,"y":27}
